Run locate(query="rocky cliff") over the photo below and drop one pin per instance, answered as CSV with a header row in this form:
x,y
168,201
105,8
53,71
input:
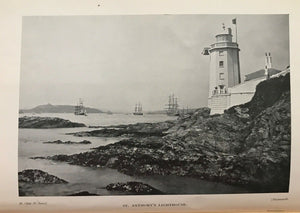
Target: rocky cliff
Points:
x,y
248,145
46,123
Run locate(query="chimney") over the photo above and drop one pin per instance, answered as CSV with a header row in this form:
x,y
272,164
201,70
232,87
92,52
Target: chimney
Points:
x,y
266,60
229,31
270,60
266,65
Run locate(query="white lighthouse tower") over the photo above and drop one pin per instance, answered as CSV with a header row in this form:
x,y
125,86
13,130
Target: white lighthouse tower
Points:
x,y
224,70
225,87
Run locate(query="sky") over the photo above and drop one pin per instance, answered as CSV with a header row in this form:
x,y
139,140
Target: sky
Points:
x,y
113,62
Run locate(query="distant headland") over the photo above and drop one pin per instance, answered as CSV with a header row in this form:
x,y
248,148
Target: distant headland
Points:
x,y
49,108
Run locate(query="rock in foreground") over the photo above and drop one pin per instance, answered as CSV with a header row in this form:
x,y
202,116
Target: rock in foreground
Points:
x,y
46,123
82,193
67,142
133,187
38,176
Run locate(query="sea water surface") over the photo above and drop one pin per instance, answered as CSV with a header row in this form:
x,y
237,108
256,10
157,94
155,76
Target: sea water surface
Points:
x,y
94,180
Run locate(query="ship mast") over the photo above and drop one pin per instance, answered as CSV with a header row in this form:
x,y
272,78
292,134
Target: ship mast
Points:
x,y
79,108
173,101
173,105
138,109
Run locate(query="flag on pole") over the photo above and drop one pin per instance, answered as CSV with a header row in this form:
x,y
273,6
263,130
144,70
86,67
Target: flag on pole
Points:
x,y
234,22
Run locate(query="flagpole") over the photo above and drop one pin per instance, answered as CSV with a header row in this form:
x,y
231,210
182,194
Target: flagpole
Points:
x,y
236,33
234,21
236,40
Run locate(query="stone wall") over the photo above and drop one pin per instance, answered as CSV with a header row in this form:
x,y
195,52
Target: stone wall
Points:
x,y
218,103
237,95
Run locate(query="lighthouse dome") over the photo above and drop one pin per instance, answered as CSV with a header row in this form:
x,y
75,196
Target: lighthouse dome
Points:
x,y
224,36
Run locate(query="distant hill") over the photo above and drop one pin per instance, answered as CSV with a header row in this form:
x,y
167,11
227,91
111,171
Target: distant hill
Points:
x,y
49,108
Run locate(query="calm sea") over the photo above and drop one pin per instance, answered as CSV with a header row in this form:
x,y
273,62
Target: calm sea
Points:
x,y
94,180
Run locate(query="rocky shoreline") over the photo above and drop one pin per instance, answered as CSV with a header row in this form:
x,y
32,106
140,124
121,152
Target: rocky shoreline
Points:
x,y
136,188
83,193
249,145
46,122
38,176
67,142
131,130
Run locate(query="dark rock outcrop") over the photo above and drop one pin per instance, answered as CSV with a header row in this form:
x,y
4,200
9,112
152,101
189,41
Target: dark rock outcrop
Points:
x,y
46,123
21,191
136,130
133,187
267,94
67,142
83,193
38,176
247,145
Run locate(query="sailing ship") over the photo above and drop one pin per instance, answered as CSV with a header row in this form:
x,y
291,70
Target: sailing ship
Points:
x,y
80,109
138,109
185,111
172,106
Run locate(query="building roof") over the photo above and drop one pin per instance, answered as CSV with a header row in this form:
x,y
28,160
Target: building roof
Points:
x,y
261,73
